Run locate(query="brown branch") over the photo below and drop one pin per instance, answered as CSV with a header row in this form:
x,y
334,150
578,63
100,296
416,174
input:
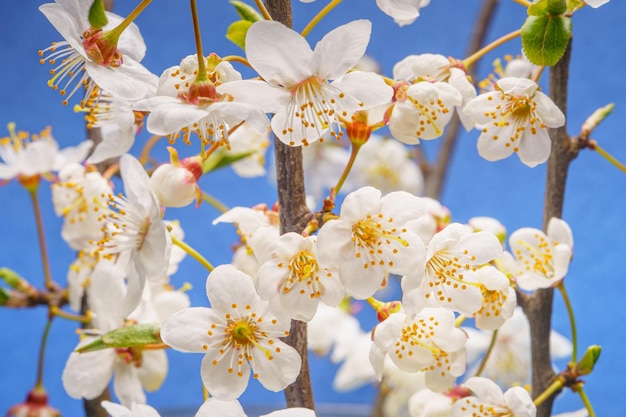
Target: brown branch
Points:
x,y
538,306
436,175
294,216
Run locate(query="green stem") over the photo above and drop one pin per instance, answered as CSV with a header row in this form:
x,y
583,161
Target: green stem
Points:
x,y
524,3
318,17
346,171
117,30
554,387
594,146
572,321
42,351
585,400
481,368
221,207
202,75
193,253
42,240
469,61
263,10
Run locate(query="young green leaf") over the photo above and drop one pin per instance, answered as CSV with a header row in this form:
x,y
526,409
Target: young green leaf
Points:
x,y
129,336
97,17
246,12
237,31
545,38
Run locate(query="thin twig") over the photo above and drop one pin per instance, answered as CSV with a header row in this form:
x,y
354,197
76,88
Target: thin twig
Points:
x,y
436,176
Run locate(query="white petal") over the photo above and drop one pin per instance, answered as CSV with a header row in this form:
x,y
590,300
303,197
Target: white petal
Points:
x,y
534,149
153,369
280,55
341,49
278,370
86,375
127,385
221,383
187,329
216,408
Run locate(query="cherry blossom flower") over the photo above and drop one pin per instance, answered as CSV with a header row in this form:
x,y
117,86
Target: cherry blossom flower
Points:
x,y
73,198
498,299
297,86
542,260
331,327
86,375
28,156
404,12
450,276
385,164
247,140
422,110
136,233
433,67
188,102
135,410
429,342
515,118
428,403
369,240
296,277
509,361
91,57
236,334
489,401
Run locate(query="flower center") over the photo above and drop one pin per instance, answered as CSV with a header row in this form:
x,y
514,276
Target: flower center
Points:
x,y
102,48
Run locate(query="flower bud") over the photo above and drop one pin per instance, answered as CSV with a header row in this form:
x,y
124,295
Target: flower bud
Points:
x,y
36,405
586,364
176,183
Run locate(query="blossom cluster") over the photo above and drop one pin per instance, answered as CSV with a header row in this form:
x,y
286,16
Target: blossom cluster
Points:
x,y
320,99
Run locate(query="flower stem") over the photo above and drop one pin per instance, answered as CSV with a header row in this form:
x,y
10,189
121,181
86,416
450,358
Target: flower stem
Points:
x,y
585,400
459,320
56,311
524,3
538,73
237,58
572,321
469,61
42,351
202,75
193,253
214,202
481,367
263,10
117,30
554,387
346,171
593,145
145,152
42,241
318,17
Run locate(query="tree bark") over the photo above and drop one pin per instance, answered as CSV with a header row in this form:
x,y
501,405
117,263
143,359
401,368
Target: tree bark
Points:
x,y
538,306
294,216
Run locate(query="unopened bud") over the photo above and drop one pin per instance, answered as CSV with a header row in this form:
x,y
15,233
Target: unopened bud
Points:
x,y
36,405
586,364
595,119
176,183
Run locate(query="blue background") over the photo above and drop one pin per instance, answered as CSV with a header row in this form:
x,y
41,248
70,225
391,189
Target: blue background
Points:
x,y
595,204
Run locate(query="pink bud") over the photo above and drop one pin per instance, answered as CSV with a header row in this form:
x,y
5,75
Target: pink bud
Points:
x,y
36,405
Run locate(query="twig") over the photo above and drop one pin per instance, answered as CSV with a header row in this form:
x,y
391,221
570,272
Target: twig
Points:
x,y
436,176
294,216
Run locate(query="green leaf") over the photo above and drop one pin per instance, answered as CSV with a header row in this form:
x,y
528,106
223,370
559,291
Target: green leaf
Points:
x,y
97,17
237,31
538,8
246,12
129,336
222,159
4,296
545,38
556,7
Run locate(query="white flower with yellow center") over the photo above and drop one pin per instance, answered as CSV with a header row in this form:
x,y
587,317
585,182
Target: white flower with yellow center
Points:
x,y
295,276
135,232
297,86
87,57
543,260
450,278
489,401
368,240
499,299
429,342
236,334
515,118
